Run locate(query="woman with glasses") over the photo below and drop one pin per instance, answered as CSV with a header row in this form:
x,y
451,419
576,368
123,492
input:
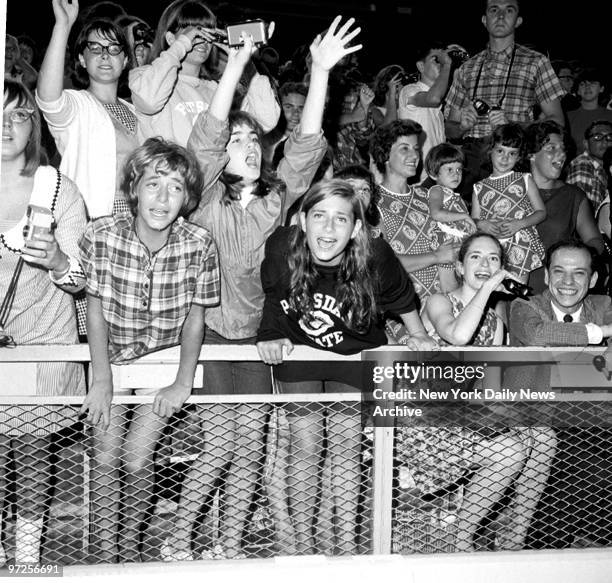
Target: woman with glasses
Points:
x,y
94,130
41,268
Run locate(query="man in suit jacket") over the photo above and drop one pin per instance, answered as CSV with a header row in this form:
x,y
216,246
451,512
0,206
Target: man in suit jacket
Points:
x,y
564,314
575,509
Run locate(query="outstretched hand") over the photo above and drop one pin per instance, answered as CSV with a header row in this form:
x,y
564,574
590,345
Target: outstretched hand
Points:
x,y
65,11
242,55
326,51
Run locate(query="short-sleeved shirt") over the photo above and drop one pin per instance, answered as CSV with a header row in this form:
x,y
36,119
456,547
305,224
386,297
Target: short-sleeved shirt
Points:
x,y
588,173
430,118
146,296
532,80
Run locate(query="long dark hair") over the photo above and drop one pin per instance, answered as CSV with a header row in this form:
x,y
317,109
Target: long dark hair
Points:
x,y
267,181
355,280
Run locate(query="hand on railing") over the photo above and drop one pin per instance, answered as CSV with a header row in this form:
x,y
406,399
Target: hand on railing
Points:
x,y
97,404
170,399
271,351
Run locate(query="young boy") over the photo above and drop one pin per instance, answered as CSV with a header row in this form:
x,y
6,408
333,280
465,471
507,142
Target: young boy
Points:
x,y
422,101
150,275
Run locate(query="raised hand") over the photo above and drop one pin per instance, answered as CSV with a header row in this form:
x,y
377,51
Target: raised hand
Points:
x,y
394,84
366,96
240,56
326,51
66,12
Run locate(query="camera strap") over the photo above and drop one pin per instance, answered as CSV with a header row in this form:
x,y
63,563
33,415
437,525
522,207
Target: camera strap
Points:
x,y
7,303
499,103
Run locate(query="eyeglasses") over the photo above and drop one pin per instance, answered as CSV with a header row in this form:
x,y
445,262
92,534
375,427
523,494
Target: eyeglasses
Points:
x,y
566,77
601,137
113,49
19,115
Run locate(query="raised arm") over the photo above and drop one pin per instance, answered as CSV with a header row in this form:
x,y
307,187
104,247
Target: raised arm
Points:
x,y
51,75
435,95
152,85
325,51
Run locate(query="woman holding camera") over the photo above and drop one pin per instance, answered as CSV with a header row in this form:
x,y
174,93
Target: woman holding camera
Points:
x,y
39,269
171,91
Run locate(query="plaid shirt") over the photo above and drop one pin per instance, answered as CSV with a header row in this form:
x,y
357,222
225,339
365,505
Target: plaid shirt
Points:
x,y
589,174
145,296
532,81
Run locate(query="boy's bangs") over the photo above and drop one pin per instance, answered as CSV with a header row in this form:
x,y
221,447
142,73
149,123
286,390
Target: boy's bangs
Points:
x,y
173,163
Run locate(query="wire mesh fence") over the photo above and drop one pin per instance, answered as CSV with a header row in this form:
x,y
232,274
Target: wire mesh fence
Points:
x,y
263,476
224,480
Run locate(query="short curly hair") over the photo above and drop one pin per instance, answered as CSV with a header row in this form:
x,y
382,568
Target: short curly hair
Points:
x,y
163,156
385,136
538,135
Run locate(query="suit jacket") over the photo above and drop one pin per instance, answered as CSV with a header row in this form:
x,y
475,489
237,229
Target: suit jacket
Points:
x,y
533,322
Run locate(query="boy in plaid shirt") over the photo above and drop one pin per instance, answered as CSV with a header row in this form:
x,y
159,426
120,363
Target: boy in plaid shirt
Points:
x,y
150,276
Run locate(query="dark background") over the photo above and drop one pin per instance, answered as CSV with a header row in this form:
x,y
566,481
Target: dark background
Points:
x,y
391,28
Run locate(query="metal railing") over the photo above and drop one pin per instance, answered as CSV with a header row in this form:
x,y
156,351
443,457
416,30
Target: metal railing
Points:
x,y
274,475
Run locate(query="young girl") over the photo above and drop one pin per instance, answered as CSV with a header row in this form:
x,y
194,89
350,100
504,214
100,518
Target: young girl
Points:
x,y
508,205
94,130
444,164
328,285
170,92
150,276
242,205
42,311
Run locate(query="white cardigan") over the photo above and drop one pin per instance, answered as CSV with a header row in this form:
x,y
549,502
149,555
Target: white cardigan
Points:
x,y
85,138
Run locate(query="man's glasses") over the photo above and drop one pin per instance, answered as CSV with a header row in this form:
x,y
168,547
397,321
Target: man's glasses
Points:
x,y
113,49
19,115
601,137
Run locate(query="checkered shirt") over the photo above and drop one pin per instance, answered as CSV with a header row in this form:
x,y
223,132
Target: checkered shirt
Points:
x,y
532,80
146,296
589,174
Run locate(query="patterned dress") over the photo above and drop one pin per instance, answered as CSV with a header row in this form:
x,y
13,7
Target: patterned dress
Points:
x,y
505,197
407,226
455,232
436,457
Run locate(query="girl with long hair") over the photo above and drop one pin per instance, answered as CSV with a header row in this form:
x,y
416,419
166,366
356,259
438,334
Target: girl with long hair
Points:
x,y
242,205
328,285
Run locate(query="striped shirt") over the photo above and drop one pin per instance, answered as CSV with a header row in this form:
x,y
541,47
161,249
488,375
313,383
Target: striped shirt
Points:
x,y
531,81
146,296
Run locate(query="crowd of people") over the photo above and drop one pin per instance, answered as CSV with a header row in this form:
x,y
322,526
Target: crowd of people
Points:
x,y
201,193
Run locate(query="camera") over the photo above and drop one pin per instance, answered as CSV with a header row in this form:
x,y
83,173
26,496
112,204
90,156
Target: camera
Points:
x,y
483,108
256,28
39,221
457,54
516,288
142,34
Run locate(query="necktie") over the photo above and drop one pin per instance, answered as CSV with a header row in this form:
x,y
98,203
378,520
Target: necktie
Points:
x,y
568,318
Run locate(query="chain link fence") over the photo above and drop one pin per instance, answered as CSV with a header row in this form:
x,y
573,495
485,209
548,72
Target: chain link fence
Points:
x,y
258,477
